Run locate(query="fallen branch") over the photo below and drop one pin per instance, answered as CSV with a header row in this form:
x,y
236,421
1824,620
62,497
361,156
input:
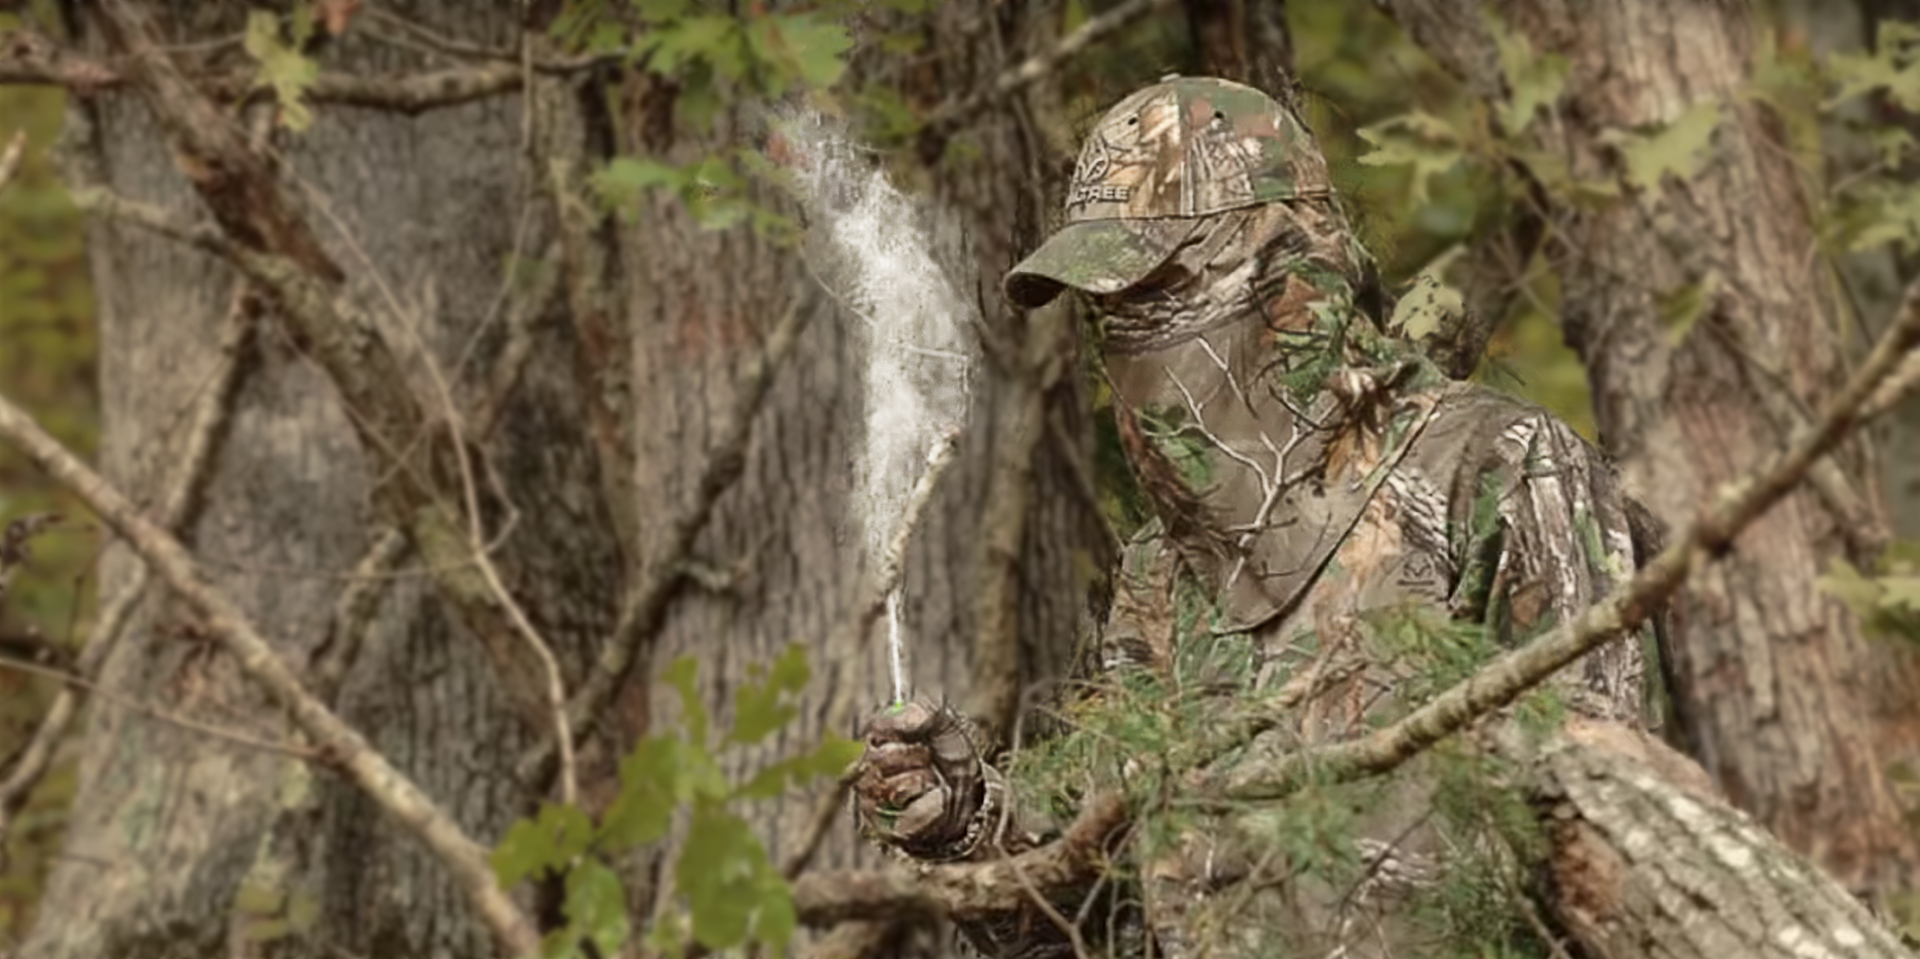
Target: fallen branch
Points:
x,y
411,808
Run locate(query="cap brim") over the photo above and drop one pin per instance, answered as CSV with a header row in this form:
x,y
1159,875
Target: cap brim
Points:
x,y
1098,256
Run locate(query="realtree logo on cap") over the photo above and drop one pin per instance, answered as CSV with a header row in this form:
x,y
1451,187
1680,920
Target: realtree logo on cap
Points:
x,y
1094,167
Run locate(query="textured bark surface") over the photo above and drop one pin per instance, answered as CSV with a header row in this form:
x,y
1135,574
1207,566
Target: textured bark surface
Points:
x,y
184,847
1779,695
180,845
1647,861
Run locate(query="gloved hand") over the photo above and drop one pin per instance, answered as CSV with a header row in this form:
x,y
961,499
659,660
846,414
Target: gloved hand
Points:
x,y
921,784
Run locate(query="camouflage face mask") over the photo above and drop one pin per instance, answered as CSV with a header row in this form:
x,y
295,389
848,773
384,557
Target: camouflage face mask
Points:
x,y
1224,272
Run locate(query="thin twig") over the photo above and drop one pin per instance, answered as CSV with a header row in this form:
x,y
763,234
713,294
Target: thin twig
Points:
x,y
153,712
483,561
951,115
227,623
1897,387
1038,898
353,615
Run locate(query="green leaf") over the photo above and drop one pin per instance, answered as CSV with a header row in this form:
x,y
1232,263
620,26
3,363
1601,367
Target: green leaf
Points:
x,y
817,48
625,180
760,708
1532,82
1678,148
1846,583
1879,212
828,760
1422,309
699,103
714,870
541,844
649,789
283,68
731,887
1681,308
1891,67
1901,591
597,906
1418,139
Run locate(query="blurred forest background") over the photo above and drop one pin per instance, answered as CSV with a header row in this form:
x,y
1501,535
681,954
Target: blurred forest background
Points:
x,y
1368,88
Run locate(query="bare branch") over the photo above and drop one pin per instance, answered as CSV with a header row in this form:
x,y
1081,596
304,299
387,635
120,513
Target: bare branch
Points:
x,y
413,809
353,614
211,412
27,58
951,115
966,890
1897,387
153,712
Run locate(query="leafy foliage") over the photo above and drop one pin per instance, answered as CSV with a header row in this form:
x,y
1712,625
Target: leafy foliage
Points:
x,y
713,61
277,43
732,893
1887,599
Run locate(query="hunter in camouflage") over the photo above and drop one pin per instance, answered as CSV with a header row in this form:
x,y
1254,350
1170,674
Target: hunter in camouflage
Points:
x,y
1310,475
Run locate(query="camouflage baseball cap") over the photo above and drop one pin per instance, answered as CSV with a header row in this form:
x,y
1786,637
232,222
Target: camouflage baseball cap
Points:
x,y
1153,167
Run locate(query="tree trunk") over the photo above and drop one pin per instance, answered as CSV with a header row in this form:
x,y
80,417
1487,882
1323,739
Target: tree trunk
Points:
x,y
181,845
1779,695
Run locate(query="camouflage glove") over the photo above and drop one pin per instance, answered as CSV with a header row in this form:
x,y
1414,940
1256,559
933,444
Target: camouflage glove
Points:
x,y
923,788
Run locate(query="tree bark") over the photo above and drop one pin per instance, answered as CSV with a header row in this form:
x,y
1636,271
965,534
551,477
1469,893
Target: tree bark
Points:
x,y
1778,694
183,846
179,846
1647,861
